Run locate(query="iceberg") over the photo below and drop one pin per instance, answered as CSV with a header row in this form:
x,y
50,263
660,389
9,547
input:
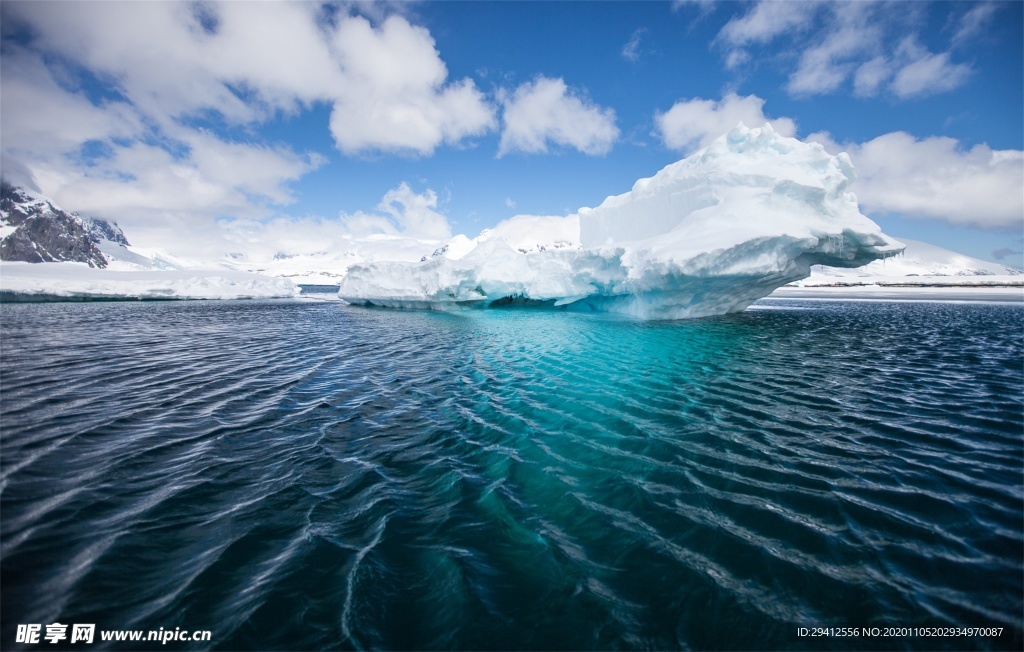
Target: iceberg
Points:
x,y
707,235
21,281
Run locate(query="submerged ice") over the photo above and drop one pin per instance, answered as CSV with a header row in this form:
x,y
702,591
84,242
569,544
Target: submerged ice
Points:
x,y
707,235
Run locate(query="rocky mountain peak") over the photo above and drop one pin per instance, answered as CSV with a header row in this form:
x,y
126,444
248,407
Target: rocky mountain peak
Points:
x,y
33,229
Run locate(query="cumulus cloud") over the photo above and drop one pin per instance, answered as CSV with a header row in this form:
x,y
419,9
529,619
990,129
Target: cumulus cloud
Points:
x,y
694,123
394,97
925,73
171,60
153,52
110,160
874,45
101,102
936,177
870,76
404,226
138,182
414,214
828,63
736,58
767,20
545,111
255,169
38,115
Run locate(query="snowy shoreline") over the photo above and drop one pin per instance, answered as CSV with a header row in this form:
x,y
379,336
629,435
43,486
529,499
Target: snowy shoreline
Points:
x,y
34,282
47,282
902,291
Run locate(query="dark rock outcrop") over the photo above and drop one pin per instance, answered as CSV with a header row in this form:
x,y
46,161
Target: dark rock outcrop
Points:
x,y
45,233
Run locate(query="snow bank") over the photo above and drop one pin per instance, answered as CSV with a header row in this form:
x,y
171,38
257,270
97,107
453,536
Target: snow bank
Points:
x,y
707,235
922,292
329,265
817,280
920,264
79,281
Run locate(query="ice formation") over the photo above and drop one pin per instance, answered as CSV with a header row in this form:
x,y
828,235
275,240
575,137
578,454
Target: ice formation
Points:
x,y
26,281
707,235
920,264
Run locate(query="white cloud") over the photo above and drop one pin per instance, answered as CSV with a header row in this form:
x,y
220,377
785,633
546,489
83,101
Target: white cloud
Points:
x,y
394,97
872,44
405,226
545,111
975,21
937,178
137,156
925,73
154,52
631,50
37,115
278,51
870,76
401,213
245,62
262,239
851,35
415,214
767,20
255,169
139,183
704,5
736,58
694,123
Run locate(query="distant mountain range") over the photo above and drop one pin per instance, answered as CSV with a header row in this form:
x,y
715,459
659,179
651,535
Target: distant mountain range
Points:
x,y
35,230
919,264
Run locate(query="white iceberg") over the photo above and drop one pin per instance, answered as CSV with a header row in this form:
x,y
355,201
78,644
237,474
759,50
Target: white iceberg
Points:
x,y
707,235
28,281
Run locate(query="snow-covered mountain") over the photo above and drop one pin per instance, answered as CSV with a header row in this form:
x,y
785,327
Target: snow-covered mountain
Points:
x,y
329,267
35,230
919,264
49,253
923,259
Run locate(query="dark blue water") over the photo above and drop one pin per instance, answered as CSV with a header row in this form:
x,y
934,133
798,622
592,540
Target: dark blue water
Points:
x,y
306,475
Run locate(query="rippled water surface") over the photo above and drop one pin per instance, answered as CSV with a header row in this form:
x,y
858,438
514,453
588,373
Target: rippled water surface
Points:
x,y
304,475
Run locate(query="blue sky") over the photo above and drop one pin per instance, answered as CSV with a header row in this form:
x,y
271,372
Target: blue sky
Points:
x,y
227,124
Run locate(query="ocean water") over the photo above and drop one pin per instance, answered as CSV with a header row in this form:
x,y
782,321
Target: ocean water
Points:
x,y
306,475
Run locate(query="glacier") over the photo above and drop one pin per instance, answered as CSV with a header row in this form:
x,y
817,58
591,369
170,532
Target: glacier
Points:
x,y
21,281
707,235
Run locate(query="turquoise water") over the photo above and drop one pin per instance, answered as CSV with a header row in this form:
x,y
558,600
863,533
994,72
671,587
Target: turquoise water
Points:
x,y
305,475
